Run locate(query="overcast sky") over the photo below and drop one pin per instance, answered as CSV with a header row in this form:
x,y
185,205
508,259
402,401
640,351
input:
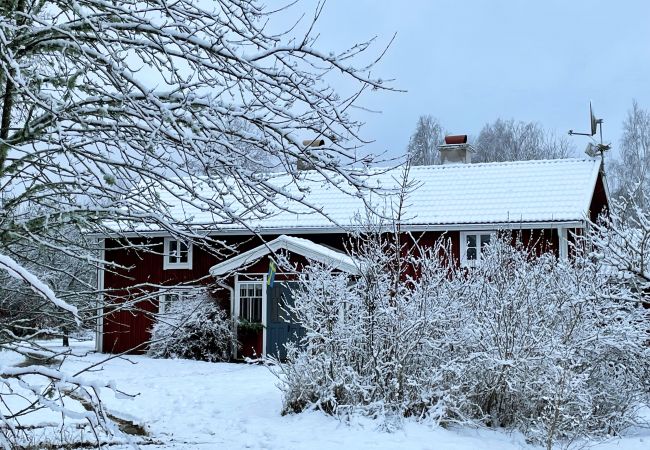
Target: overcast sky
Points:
x,y
470,62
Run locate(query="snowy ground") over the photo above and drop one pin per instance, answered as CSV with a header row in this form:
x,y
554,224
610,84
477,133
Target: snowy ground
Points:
x,y
197,405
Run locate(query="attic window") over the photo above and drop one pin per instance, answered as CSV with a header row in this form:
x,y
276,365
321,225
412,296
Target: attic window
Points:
x,y
177,254
472,245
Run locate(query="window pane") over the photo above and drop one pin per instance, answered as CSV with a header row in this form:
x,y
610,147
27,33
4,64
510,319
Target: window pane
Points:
x,y
256,310
485,239
471,254
243,308
182,252
471,240
172,251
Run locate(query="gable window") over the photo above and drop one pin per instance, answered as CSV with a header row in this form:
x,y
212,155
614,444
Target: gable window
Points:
x,y
250,301
472,245
177,254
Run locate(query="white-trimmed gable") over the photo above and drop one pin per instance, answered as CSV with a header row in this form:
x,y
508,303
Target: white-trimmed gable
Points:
x,y
299,246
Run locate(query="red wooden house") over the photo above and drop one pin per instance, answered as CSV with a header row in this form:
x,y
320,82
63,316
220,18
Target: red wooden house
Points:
x,y
545,201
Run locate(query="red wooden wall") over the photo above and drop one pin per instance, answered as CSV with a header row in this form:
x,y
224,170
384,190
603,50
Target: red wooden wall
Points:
x,y
129,330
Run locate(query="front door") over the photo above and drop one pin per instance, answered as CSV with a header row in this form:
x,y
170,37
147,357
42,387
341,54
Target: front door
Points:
x,y
281,327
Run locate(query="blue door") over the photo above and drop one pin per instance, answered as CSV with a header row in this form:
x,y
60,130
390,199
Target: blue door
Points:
x,y
281,327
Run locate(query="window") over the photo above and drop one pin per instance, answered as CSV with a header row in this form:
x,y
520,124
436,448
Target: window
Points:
x,y
472,245
167,297
177,254
250,301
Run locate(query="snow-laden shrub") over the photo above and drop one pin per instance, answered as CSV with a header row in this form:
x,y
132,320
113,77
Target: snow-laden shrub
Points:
x,y
194,327
371,345
552,348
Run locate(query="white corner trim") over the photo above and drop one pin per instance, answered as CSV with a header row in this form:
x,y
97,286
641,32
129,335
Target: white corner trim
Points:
x,y
99,332
167,264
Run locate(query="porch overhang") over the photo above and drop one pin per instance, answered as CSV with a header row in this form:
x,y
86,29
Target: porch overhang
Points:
x,y
300,246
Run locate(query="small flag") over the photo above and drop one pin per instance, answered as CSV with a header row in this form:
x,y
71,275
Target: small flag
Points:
x,y
270,277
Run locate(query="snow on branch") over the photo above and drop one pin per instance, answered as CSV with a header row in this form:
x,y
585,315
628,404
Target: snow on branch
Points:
x,y
17,271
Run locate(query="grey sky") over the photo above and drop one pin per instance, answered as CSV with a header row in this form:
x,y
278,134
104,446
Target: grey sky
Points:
x,y
470,62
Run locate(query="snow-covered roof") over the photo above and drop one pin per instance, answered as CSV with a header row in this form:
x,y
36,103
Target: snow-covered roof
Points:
x,y
518,192
304,247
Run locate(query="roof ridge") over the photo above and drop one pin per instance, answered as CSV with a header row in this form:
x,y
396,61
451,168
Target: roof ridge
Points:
x,y
507,163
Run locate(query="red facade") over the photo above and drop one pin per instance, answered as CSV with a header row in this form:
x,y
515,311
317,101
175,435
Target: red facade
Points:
x,y
129,329
142,273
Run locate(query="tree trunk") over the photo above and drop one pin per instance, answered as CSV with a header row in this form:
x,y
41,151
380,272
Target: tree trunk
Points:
x,y
66,337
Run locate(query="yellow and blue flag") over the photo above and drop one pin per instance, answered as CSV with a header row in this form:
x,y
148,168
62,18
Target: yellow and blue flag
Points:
x,y
270,277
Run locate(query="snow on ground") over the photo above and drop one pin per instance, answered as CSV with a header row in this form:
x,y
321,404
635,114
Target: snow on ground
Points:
x,y
197,405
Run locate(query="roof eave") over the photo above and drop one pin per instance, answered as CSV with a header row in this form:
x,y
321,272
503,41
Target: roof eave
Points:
x,y
537,224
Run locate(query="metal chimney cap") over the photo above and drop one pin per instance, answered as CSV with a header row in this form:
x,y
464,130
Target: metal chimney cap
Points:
x,y
313,142
455,139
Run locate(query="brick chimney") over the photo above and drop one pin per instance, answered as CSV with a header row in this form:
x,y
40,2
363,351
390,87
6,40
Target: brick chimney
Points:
x,y
456,150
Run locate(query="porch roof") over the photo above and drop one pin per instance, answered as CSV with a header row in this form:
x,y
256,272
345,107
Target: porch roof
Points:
x,y
299,246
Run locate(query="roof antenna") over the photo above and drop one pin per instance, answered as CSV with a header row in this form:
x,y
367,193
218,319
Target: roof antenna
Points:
x,y
596,125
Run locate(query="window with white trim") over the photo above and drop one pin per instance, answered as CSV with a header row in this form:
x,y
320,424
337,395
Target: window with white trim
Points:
x,y
168,297
472,245
250,301
177,254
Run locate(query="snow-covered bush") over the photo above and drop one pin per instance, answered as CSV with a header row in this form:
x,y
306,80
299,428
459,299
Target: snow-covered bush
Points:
x,y
622,241
554,348
550,347
370,344
195,327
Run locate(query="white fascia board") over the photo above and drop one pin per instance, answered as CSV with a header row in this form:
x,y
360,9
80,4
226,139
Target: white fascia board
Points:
x,y
570,223
319,253
309,250
591,189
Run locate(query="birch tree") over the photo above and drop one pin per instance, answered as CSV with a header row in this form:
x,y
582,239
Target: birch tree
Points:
x,y
509,140
423,145
632,171
106,108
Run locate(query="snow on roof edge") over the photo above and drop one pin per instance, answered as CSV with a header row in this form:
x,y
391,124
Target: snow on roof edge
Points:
x,y
300,246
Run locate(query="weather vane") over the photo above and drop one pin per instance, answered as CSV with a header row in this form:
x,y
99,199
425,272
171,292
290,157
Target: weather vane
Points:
x,y
596,125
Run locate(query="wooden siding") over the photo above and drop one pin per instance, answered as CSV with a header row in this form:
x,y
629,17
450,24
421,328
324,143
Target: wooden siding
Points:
x,y
130,330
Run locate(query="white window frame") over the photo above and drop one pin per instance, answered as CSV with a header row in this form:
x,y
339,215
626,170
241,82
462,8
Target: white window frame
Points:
x,y
238,287
181,291
167,255
463,245
235,309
